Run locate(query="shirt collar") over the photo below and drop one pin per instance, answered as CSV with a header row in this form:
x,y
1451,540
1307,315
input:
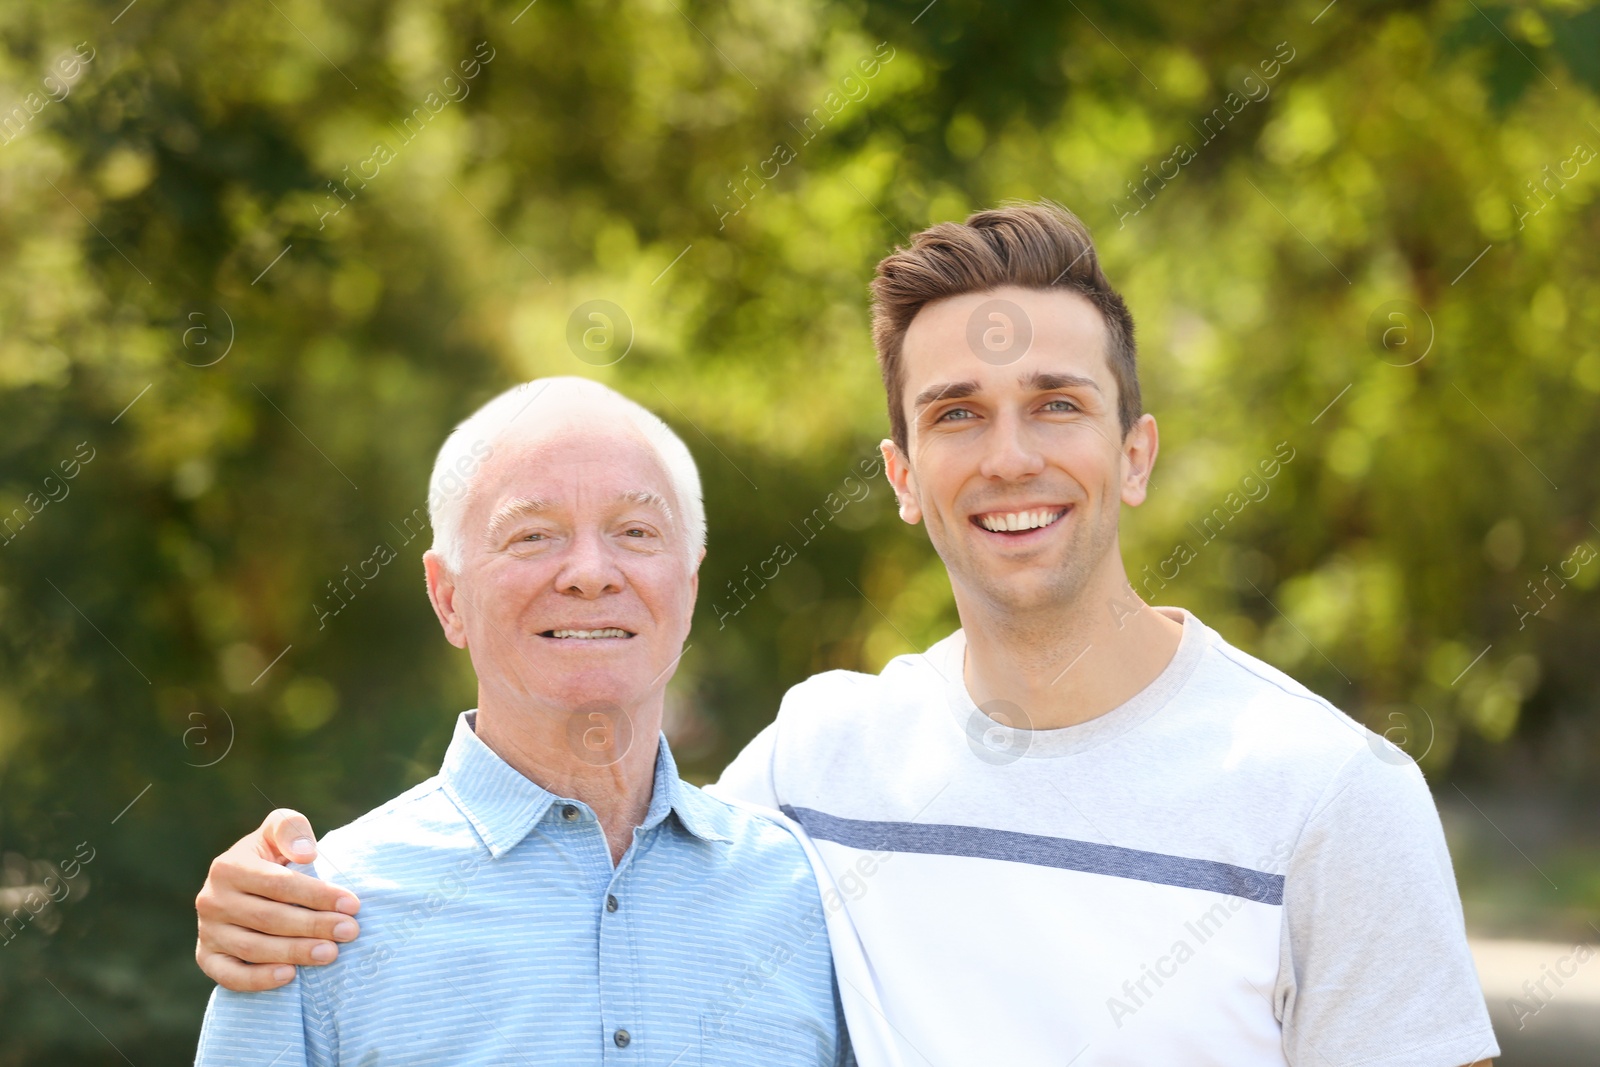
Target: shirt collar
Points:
x,y
703,817
503,806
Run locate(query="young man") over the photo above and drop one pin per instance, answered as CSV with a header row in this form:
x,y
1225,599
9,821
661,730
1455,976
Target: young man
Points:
x,y
1078,830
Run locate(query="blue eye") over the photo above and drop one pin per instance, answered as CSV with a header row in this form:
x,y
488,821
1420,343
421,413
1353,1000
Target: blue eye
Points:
x,y
954,411
1070,406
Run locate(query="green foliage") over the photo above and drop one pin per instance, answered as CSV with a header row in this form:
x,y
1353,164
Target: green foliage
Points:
x,y
262,365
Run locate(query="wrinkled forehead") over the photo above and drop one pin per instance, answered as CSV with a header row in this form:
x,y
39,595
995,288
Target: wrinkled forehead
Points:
x,y
574,460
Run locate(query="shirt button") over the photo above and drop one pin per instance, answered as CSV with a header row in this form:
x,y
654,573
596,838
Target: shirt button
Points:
x,y
611,903
569,812
621,1037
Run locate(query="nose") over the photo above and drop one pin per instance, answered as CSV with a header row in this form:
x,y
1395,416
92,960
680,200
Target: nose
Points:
x,y
1010,455
589,569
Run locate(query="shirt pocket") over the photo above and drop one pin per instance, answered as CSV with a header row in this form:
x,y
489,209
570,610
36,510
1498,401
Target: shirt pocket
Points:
x,y
758,1038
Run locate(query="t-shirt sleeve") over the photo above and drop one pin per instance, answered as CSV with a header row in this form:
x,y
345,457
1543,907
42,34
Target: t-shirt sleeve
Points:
x,y
1376,970
260,1029
749,777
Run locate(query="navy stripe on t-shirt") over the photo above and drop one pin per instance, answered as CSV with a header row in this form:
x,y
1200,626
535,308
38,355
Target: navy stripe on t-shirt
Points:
x,y
979,842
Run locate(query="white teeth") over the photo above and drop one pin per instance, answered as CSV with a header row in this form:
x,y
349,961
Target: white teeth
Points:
x,y
1020,520
612,632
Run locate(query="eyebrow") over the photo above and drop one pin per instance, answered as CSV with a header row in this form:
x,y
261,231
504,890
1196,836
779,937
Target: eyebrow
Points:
x,y
1038,381
519,507
510,512
649,498
948,391
1045,382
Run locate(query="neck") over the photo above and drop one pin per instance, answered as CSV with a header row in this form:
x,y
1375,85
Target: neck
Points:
x,y
1067,663
546,748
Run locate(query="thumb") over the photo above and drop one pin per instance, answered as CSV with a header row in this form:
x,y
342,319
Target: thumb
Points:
x,y
289,836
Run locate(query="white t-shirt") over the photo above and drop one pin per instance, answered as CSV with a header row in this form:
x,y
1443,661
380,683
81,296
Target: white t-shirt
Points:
x,y
1225,870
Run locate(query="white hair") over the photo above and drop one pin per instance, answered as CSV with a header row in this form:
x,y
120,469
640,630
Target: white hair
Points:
x,y
473,441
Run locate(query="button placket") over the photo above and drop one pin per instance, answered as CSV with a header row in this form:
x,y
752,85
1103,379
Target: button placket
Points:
x,y
620,996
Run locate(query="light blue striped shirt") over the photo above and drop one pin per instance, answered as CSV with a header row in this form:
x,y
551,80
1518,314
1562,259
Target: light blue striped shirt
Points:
x,y
494,930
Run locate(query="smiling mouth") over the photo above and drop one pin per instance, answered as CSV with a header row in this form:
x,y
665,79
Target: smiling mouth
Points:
x,y
586,635
1014,522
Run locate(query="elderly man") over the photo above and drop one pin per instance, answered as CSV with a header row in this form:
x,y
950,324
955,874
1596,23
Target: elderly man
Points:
x,y
556,894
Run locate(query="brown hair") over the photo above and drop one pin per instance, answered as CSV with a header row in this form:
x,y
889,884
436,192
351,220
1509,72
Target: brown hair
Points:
x,y
1032,245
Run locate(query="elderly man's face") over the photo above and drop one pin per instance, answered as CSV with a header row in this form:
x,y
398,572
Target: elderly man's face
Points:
x,y
577,585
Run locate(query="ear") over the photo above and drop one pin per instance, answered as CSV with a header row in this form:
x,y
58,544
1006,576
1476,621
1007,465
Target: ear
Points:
x,y
1139,448
897,468
442,595
694,581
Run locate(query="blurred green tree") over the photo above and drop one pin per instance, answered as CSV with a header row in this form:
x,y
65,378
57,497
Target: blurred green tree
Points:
x,y
260,260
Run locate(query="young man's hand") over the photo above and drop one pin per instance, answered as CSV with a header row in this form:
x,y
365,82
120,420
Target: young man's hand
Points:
x,y
258,918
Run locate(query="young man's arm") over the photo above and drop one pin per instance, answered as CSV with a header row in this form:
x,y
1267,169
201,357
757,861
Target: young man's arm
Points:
x,y
258,919
1376,968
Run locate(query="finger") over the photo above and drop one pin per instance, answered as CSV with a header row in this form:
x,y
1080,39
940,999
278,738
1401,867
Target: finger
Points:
x,y
266,916
248,875
289,836
247,946
243,977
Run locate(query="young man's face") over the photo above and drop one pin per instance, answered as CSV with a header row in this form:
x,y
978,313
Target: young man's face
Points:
x,y
1018,469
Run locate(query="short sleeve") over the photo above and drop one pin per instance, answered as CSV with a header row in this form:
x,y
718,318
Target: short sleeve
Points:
x,y
1375,965
749,777
258,1029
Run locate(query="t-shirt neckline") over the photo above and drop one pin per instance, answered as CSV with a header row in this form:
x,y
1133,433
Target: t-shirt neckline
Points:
x,y
1010,743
